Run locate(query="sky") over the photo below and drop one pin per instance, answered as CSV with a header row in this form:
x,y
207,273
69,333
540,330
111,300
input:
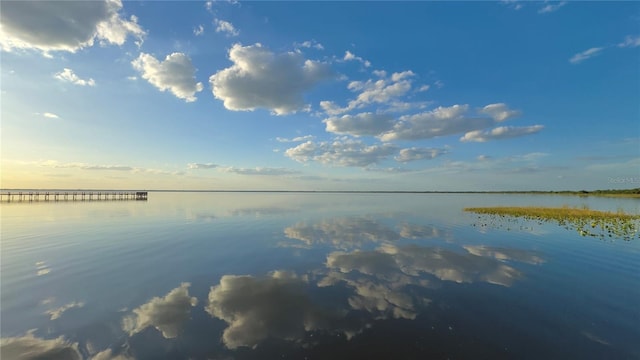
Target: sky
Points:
x,y
396,96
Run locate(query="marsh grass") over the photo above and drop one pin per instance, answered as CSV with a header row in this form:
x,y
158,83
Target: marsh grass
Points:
x,y
587,222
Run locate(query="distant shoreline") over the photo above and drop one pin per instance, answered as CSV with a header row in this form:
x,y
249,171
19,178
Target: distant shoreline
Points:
x,y
626,193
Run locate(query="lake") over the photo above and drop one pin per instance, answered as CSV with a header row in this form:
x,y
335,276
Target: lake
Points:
x,y
313,276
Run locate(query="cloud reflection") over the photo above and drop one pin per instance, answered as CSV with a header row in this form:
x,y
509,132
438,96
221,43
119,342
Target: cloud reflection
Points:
x,y
383,296
42,268
167,314
277,305
108,355
415,231
381,278
342,233
31,347
378,282
505,254
451,266
478,264
57,313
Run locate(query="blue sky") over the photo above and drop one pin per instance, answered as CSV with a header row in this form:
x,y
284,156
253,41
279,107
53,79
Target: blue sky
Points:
x,y
320,95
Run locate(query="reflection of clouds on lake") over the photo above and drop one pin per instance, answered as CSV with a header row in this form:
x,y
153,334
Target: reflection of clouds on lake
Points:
x,y
342,233
504,254
480,263
451,266
256,308
379,283
381,279
47,301
108,355
380,296
202,217
415,231
42,268
57,313
31,347
259,212
208,216
366,262
167,314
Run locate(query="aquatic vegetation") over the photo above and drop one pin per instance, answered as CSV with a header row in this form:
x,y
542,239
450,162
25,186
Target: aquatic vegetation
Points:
x,y
587,222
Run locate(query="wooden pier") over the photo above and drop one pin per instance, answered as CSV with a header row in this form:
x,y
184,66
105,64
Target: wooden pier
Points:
x,y
35,196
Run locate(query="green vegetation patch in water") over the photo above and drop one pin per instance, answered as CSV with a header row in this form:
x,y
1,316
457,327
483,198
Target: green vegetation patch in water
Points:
x,y
587,222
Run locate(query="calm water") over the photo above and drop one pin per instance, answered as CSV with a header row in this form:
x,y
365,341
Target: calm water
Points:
x,y
312,276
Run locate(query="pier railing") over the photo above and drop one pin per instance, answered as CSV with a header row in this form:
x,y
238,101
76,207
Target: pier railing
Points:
x,y
34,196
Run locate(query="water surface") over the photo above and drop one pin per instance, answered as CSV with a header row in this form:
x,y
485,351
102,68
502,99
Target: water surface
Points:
x,y
315,276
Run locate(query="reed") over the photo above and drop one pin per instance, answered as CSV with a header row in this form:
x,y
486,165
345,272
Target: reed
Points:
x,y
587,222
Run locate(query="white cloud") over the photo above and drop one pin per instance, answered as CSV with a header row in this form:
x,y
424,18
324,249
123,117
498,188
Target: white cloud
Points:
x,y
549,8
502,132
64,26
69,76
201,166
199,30
349,56
382,91
30,347
514,4
412,154
50,115
175,73
499,112
226,27
257,308
331,108
630,41
341,152
360,124
57,313
441,121
83,166
423,88
310,44
534,156
99,167
587,54
266,171
167,314
389,170
295,139
456,119
505,165
260,78
385,90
